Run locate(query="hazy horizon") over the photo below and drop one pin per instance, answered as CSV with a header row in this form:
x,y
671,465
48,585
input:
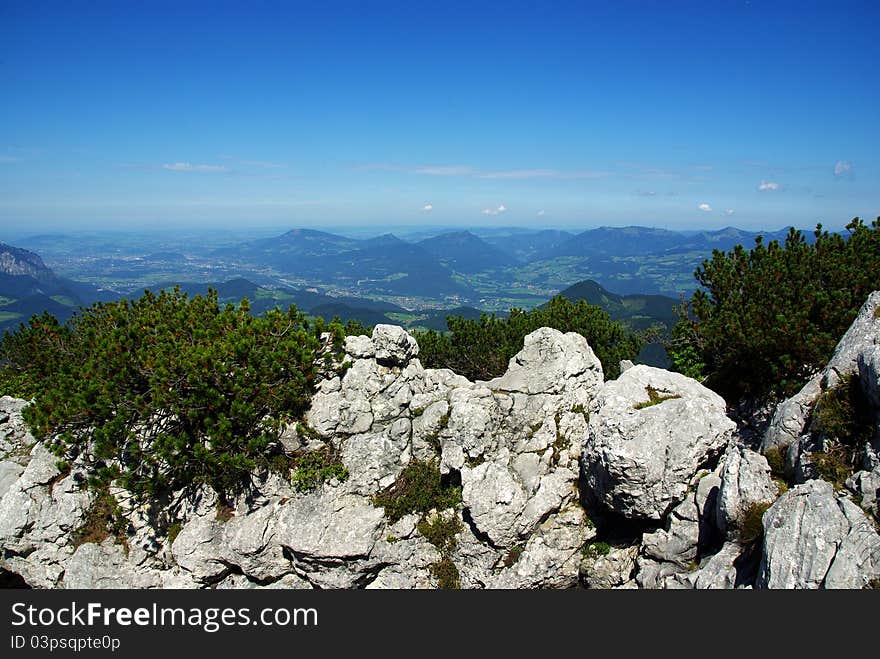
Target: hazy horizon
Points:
x,y
227,115
411,232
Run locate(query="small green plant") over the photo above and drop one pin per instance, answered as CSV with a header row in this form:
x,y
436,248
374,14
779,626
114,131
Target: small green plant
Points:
x,y
579,409
441,532
474,462
751,523
842,417
776,461
307,432
103,520
654,398
446,574
391,539
596,549
433,438
173,531
418,489
313,468
834,465
843,414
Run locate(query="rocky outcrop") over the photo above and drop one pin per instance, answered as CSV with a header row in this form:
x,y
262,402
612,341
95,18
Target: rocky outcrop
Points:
x,y
38,514
650,431
815,539
512,444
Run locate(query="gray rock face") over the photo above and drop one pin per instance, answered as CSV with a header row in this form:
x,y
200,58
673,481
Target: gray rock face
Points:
x,y
9,473
861,335
549,363
719,571
867,485
625,437
791,417
610,571
393,345
678,542
105,566
652,574
813,539
551,555
745,482
15,439
869,379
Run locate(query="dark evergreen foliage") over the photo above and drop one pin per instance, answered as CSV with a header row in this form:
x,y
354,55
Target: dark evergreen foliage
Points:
x,y
770,317
167,390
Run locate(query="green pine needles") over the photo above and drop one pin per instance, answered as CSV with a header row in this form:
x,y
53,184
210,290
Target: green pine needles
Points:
x,y
768,318
167,391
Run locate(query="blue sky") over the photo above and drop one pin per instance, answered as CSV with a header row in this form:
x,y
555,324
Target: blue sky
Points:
x,y
567,114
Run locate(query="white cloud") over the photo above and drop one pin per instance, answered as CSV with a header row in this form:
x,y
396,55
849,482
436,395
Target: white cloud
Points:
x,y
706,208
765,186
427,208
494,211
516,174
729,212
188,167
843,168
445,170
520,173
541,213
265,164
503,174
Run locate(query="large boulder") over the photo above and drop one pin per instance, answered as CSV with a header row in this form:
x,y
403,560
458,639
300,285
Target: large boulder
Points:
x,y
720,571
745,485
649,433
393,345
815,539
549,363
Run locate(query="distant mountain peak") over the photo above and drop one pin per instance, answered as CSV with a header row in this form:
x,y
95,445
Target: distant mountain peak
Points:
x,y
18,261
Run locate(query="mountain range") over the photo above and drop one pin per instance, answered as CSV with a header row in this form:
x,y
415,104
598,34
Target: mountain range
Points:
x,y
462,266
636,273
